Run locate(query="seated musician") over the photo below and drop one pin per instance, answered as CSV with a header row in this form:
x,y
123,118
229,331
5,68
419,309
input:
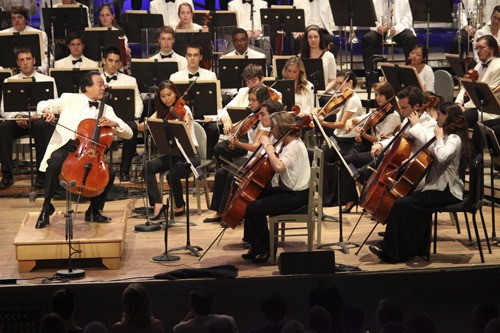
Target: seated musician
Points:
x,y
396,20
19,17
169,10
407,230
288,190
185,13
76,59
194,71
244,15
72,109
304,90
166,39
107,20
491,28
10,130
223,179
167,108
240,42
417,60
112,62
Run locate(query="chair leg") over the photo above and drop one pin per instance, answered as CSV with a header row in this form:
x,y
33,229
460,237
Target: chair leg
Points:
x,y
366,239
477,237
485,230
272,237
468,227
454,219
207,199
435,233
282,232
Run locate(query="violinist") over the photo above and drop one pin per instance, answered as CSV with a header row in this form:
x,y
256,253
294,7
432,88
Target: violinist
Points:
x,y
407,229
288,189
224,179
72,109
295,70
167,107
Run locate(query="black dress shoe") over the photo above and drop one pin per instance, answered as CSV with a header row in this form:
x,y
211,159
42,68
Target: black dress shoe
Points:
x,y
212,219
160,213
262,258
6,182
381,255
124,177
43,218
182,212
96,217
249,255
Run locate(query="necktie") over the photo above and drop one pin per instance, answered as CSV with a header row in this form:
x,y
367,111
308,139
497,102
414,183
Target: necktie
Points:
x,y
93,103
75,61
110,78
166,56
193,75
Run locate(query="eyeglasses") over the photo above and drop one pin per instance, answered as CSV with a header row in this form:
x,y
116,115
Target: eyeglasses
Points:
x,y
494,18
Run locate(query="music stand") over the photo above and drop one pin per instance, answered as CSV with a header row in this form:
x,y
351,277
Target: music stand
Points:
x,y
204,97
431,11
123,102
99,39
286,88
219,18
459,65
400,76
491,140
282,18
231,68
481,95
21,95
183,38
150,72
4,74
237,113
314,68
12,41
134,21
68,80
65,19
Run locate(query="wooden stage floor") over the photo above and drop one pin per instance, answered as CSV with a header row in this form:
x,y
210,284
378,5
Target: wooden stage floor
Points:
x,y
139,248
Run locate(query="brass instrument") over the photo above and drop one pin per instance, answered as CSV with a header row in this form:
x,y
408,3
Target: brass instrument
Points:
x,y
390,22
477,17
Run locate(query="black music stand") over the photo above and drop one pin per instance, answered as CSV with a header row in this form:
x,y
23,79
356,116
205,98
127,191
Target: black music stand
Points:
x,y
4,73
459,65
282,18
204,97
122,101
237,113
286,88
5,21
24,95
431,11
314,69
10,42
65,20
68,80
150,72
219,18
400,76
99,39
231,68
491,141
481,95
184,38
134,21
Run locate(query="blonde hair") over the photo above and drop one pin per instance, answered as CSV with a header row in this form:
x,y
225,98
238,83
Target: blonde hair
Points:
x,y
282,122
303,83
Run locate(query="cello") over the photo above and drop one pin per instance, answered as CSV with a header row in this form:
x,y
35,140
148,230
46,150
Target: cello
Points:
x,y
86,164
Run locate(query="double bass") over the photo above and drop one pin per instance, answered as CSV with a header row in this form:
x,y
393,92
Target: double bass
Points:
x,y
86,164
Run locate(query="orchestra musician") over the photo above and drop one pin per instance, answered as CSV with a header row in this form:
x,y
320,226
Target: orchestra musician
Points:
x,y
10,130
111,64
169,10
19,17
185,13
168,107
244,13
407,229
257,97
295,70
315,48
418,60
76,59
288,190
72,109
166,39
240,42
107,20
492,28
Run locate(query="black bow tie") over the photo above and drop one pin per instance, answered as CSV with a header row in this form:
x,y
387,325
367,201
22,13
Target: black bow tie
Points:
x,y
485,64
193,75
166,56
96,104
75,61
247,1
167,1
110,78
32,78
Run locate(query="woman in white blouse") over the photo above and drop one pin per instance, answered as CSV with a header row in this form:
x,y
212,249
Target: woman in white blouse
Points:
x,y
185,13
407,230
417,59
304,94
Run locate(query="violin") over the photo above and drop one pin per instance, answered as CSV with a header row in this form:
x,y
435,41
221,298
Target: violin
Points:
x,y
374,119
334,104
177,110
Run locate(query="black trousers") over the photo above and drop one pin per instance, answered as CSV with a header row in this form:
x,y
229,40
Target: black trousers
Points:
x,y
223,150
41,132
55,163
129,148
273,201
223,183
408,224
179,172
212,131
372,40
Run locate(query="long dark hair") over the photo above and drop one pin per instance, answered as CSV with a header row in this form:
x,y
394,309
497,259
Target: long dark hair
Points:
x,y
306,50
137,306
161,109
456,123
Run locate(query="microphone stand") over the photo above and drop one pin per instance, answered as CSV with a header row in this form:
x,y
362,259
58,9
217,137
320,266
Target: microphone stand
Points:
x,y
71,272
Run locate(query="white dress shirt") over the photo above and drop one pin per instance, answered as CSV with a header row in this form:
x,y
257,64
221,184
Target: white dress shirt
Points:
x,y
426,76
67,62
353,105
249,53
181,61
243,11
169,10
183,75
124,80
403,19
325,19
305,100
484,31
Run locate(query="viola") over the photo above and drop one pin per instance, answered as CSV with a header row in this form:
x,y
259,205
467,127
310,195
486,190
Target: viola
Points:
x,y
86,165
374,119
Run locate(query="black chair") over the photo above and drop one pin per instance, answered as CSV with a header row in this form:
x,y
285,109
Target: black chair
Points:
x,y
471,204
